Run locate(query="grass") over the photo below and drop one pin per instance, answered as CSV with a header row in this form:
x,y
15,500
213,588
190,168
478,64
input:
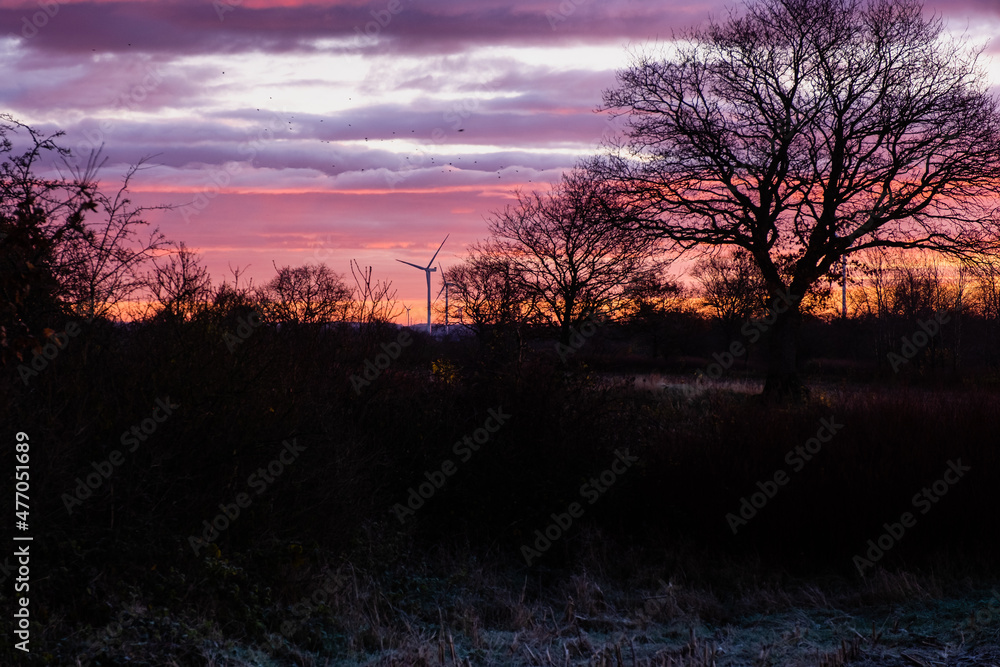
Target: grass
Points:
x,y
317,570
451,606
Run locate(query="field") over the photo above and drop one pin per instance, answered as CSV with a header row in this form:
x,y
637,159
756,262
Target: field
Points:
x,y
275,505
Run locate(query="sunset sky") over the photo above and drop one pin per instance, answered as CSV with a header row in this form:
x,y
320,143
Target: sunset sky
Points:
x,y
298,132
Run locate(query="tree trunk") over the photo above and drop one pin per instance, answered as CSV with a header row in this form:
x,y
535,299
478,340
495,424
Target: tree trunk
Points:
x,y
564,332
782,381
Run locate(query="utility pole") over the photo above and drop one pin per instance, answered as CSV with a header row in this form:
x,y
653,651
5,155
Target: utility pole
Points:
x,y
444,288
843,287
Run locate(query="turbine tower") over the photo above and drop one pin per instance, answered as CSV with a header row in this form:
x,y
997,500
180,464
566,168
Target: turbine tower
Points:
x,y
444,288
427,269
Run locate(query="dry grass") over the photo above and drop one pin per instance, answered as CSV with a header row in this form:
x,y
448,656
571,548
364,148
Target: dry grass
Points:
x,y
651,574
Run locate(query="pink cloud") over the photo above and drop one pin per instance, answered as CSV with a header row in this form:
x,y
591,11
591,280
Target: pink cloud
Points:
x,y
348,184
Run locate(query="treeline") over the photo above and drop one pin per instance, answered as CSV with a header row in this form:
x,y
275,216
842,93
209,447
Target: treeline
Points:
x,y
552,262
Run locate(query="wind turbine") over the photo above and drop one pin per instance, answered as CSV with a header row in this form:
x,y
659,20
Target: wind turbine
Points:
x,y
427,269
444,288
407,315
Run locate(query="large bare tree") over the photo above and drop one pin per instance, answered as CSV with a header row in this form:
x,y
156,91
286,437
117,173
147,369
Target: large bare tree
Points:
x,y
812,129
568,249
311,293
490,296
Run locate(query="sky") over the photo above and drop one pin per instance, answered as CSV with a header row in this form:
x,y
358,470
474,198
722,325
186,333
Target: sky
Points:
x,y
289,132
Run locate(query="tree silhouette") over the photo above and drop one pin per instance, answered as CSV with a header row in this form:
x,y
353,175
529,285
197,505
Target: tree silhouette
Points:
x,y
568,250
490,296
102,268
731,285
181,286
37,216
810,129
312,293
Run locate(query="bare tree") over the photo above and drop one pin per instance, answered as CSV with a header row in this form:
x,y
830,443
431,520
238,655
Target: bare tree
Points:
x,y
984,271
907,284
181,286
311,293
812,129
37,215
873,269
653,294
985,274
490,296
652,301
731,285
373,301
103,267
566,248
897,288
233,300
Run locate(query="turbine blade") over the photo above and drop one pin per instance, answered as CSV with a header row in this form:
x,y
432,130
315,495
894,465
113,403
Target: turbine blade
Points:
x,y
438,250
422,268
